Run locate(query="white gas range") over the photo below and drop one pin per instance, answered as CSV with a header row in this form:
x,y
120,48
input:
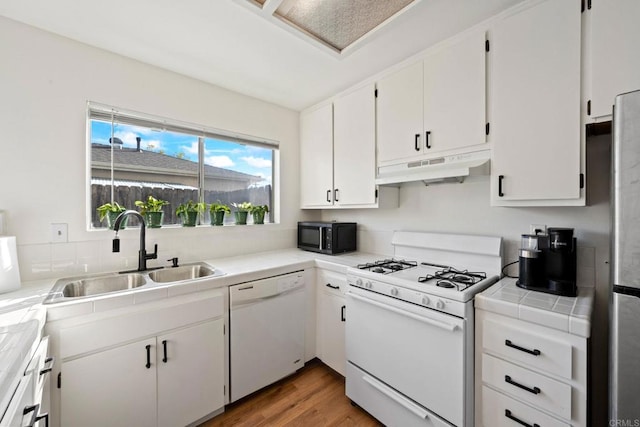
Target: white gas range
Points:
x,y
410,328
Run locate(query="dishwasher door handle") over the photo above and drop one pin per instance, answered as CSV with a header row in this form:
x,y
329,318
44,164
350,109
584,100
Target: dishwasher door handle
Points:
x,y
442,325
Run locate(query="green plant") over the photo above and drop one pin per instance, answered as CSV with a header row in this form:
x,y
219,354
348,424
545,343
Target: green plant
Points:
x,y
219,207
243,207
190,206
260,209
109,207
151,205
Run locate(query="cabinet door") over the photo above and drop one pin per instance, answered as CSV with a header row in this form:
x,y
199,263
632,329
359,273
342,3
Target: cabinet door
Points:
x,y
354,148
316,157
115,387
190,373
454,96
535,105
399,115
331,326
615,63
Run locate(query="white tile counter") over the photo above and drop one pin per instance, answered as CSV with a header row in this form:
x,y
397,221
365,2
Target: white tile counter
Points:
x,y
567,314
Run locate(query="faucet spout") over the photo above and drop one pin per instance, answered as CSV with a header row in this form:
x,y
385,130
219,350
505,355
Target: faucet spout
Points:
x,y
142,253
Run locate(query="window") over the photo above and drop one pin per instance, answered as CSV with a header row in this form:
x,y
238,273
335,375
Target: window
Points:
x,y
134,156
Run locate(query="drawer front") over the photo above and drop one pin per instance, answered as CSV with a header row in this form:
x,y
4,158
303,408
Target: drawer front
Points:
x,y
40,367
535,351
331,282
499,410
543,392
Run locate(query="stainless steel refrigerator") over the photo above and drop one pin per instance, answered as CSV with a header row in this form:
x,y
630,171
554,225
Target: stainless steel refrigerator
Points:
x,y
624,372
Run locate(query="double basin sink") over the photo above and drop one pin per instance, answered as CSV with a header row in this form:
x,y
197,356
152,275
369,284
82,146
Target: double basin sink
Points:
x,y
69,288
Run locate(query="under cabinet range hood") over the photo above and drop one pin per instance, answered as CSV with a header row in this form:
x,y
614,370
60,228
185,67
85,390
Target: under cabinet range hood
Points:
x,y
450,168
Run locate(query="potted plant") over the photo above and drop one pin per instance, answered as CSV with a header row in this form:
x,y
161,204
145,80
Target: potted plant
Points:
x,y
111,212
217,211
189,211
242,210
152,211
258,213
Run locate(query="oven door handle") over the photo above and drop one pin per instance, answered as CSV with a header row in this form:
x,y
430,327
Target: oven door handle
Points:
x,y
436,323
401,400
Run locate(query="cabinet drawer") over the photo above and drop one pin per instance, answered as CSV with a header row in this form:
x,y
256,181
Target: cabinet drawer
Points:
x,y
543,392
535,351
499,410
332,282
40,367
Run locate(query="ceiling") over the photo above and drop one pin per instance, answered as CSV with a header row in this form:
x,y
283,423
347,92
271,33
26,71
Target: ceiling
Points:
x,y
236,45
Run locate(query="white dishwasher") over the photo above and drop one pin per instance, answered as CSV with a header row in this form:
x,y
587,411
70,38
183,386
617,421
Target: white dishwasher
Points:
x,y
266,322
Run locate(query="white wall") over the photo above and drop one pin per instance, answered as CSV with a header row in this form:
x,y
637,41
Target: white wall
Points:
x,y
45,82
464,208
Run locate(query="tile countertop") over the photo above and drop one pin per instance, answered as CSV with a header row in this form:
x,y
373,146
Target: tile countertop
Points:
x,y
568,314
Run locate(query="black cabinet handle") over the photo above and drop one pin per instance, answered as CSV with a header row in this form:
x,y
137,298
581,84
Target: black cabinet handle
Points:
x,y
417,142
329,196
534,352
500,178
329,285
342,313
335,194
148,365
507,413
426,138
44,417
164,348
52,361
534,390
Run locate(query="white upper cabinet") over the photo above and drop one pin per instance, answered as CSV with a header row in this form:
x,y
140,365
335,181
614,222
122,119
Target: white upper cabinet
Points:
x,y
615,63
316,157
400,115
354,149
436,105
338,154
534,87
454,96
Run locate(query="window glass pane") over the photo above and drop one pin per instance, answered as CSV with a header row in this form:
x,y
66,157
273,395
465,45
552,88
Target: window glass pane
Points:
x,y
237,173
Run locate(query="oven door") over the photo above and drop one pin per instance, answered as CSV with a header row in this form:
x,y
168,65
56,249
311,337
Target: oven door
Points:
x,y
416,351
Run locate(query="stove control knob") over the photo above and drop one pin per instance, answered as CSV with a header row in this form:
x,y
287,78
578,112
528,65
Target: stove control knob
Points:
x,y
394,292
440,304
368,285
425,300
358,282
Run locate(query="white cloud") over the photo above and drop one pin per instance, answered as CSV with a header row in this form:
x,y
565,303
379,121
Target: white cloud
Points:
x,y
257,162
219,161
191,149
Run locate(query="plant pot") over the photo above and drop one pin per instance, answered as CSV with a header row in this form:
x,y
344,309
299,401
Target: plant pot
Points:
x,y
258,217
217,218
111,220
189,219
241,218
154,219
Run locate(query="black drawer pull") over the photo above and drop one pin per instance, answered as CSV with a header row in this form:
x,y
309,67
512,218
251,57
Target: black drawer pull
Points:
x,y
164,347
329,196
342,316
534,352
36,416
329,285
148,365
426,139
500,192
534,390
507,413
52,361
417,142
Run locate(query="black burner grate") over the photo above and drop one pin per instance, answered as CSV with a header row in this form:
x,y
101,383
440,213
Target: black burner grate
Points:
x,y
386,266
450,277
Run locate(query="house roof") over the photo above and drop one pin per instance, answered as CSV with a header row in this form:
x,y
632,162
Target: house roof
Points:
x,y
149,161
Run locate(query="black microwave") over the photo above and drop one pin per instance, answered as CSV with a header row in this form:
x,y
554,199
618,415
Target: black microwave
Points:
x,y
327,237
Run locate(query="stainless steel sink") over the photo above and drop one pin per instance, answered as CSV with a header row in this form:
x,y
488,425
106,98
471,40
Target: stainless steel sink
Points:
x,y
185,272
71,288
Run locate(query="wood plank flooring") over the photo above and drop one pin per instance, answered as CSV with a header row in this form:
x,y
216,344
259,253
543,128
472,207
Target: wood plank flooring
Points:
x,y
314,396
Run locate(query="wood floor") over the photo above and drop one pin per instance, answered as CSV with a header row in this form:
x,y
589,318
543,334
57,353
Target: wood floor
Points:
x,y
314,396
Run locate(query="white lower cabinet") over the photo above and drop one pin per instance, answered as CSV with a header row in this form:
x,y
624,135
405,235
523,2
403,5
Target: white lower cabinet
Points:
x,y
331,318
528,374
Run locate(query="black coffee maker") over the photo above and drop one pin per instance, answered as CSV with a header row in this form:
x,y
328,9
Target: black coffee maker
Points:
x,y
548,262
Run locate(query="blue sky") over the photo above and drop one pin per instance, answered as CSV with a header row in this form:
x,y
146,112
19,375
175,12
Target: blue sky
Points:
x,y
228,155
